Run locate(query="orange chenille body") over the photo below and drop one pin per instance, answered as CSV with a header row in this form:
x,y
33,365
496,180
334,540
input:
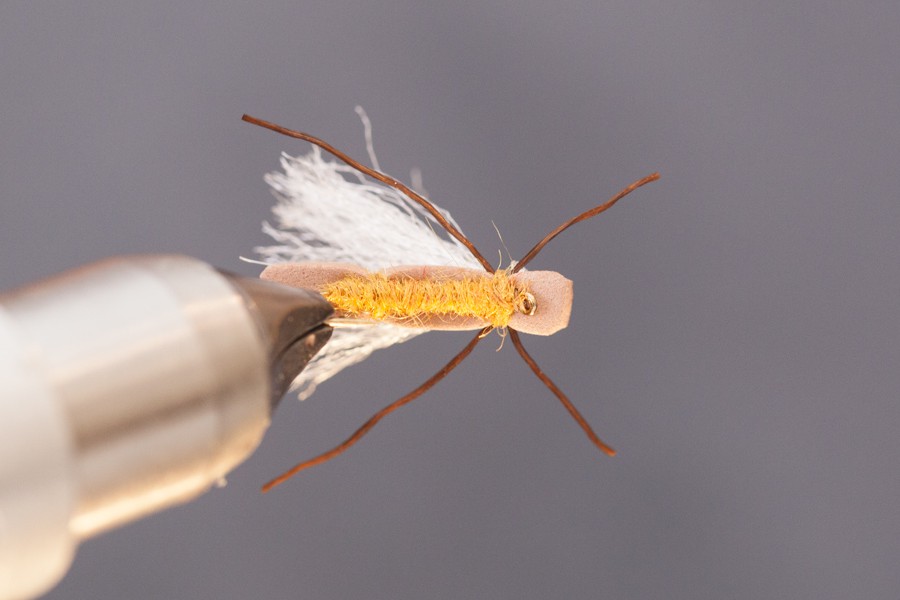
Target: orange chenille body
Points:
x,y
437,297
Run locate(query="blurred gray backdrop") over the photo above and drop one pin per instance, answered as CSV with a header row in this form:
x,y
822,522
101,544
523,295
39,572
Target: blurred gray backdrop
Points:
x,y
735,332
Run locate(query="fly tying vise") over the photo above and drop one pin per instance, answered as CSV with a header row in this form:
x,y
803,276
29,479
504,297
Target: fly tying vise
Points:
x,y
352,241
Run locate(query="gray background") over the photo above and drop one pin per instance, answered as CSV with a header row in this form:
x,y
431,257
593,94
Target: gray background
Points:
x,y
735,332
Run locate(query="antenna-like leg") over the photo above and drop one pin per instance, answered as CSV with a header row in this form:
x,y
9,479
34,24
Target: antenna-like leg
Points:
x,y
517,342
373,420
582,217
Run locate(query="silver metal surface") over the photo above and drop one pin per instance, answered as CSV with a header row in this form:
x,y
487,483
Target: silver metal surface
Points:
x,y
162,375
128,386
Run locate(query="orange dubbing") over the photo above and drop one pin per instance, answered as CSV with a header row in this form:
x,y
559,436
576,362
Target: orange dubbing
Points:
x,y
491,298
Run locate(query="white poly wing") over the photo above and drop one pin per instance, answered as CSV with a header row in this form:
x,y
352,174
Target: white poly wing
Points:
x,y
328,212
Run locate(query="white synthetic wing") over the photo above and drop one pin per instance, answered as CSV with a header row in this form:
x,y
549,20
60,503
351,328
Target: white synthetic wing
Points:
x,y
328,212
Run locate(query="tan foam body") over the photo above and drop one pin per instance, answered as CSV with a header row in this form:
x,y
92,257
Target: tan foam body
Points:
x,y
552,292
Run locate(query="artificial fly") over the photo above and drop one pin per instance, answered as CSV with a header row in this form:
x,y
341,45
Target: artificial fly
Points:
x,y
352,241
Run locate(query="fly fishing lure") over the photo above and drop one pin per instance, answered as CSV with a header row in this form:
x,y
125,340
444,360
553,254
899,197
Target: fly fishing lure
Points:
x,y
351,240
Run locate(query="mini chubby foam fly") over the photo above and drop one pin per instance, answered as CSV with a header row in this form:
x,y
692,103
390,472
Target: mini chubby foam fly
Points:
x,y
373,251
